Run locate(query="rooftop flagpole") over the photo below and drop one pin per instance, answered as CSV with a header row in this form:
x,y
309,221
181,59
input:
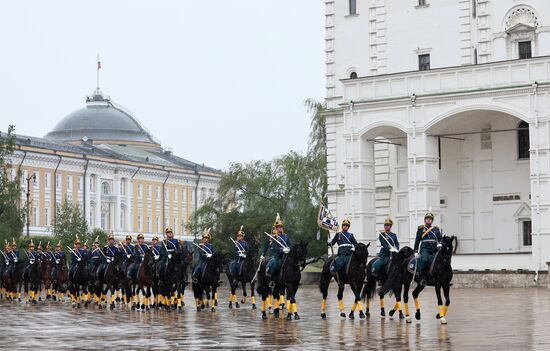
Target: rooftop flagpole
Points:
x,y
98,68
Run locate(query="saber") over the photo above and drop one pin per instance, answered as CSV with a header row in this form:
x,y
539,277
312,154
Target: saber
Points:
x,y
75,253
237,245
124,248
166,248
3,254
383,237
416,261
257,271
203,250
140,249
277,241
99,251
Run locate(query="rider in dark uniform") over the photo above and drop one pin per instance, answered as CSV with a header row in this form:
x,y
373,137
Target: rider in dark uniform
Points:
x,y
110,249
427,242
241,248
156,248
76,256
167,249
204,255
95,257
129,252
278,246
389,244
59,257
346,245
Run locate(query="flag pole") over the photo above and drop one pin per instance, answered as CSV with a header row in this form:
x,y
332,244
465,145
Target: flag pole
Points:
x,y
97,72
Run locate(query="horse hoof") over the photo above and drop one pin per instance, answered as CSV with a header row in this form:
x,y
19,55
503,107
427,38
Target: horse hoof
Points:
x,y
401,315
367,314
361,315
276,313
203,306
296,316
198,308
443,320
230,305
100,306
351,315
324,315
86,304
254,306
112,306
54,298
216,303
342,314
409,320
437,316
142,307
180,310
382,313
417,315
117,299
264,315
213,309
77,305
289,317
34,302
392,312
242,301
237,305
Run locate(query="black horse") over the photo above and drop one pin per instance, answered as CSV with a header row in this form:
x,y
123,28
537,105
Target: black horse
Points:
x,y
287,281
79,282
246,272
208,282
354,277
440,277
60,279
369,288
12,280
32,278
109,277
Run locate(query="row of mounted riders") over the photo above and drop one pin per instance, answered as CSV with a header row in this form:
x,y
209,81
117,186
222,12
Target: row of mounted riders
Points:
x,y
159,272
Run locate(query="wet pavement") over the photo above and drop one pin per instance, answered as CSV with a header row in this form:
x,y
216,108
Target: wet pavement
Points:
x,y
492,319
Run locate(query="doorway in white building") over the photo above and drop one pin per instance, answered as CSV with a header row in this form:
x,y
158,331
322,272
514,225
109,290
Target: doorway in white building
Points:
x,y
387,146
484,181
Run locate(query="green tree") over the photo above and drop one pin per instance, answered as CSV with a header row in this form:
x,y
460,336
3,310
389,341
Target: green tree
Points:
x,y
70,222
251,194
11,215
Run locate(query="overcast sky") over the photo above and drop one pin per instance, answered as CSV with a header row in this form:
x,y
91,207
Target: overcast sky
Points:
x,y
217,81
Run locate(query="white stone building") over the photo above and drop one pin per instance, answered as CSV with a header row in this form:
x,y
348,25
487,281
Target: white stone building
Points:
x,y
101,158
443,104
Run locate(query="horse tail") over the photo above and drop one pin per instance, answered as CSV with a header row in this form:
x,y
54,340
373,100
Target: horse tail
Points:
x,y
324,280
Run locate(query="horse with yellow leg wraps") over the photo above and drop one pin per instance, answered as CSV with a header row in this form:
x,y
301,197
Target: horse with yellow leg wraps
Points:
x,y
440,277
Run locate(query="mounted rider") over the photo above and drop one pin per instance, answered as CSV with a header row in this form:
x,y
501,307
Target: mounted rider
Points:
x,y
32,257
13,258
96,258
205,253
426,244
241,248
39,250
278,246
110,249
49,254
346,245
76,256
156,248
169,246
59,257
388,244
141,248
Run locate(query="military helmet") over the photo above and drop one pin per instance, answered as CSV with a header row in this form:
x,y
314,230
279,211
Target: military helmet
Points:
x,y
346,222
31,244
96,241
39,245
241,232
429,214
274,230
207,234
48,246
128,237
278,221
77,240
58,244
13,242
110,237
388,221
168,230
85,244
140,236
155,237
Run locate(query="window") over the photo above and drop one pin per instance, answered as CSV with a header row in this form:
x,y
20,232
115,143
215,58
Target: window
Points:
x,y
34,216
523,140
47,180
106,188
57,181
175,194
139,223
352,7
92,181
35,178
158,225
183,196
103,221
424,62
353,75
526,231
123,218
69,182
79,183
47,216
158,192
149,191
139,190
148,224
524,49
122,187
474,8
422,2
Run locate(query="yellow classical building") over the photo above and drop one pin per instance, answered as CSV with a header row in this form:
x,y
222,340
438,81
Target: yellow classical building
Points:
x,y
103,159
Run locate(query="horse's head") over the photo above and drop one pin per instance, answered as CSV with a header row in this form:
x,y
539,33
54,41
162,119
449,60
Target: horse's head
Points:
x,y
404,253
299,253
361,252
447,246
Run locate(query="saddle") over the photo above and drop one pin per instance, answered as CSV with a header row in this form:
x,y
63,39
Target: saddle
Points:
x,y
412,263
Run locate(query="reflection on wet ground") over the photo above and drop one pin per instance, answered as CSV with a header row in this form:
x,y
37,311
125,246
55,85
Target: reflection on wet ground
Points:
x,y
511,319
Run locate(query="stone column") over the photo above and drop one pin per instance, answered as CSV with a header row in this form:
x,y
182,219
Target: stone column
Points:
x,y
98,201
423,179
361,190
117,210
129,204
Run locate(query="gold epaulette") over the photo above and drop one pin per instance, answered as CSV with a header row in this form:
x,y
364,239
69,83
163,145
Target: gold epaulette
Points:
x,y
420,227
